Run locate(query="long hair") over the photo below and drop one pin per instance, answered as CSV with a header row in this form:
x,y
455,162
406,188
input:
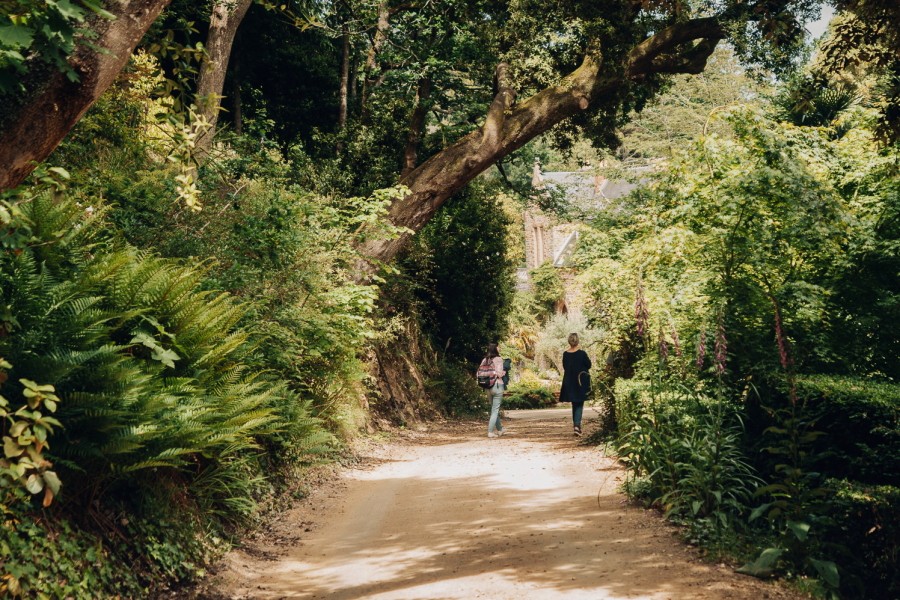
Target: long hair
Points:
x,y
492,351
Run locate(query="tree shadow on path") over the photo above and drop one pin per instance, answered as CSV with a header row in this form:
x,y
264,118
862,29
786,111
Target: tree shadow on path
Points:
x,y
517,517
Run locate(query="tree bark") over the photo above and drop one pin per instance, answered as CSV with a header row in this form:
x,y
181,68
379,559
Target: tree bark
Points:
x,y
416,126
223,25
507,127
381,29
35,126
345,77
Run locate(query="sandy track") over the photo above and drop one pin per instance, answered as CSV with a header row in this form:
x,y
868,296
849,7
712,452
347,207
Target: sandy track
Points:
x,y
451,514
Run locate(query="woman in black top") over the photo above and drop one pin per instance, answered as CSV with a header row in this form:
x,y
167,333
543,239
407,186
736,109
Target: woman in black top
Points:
x,y
576,382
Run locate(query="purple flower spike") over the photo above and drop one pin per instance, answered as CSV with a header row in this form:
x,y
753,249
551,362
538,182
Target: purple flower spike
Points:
x,y
701,349
641,314
782,342
721,348
676,341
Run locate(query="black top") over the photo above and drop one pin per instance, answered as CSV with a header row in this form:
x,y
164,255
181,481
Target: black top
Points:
x,y
575,389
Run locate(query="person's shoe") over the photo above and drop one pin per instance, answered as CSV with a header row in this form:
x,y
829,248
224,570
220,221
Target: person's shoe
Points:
x,y
500,432
578,432
492,435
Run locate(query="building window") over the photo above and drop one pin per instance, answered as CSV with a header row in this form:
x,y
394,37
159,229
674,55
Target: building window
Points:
x,y
538,232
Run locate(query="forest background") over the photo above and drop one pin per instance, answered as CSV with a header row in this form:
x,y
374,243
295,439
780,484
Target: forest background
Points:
x,y
212,283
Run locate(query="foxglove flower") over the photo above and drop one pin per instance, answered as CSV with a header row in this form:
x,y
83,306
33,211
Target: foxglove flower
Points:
x,y
721,348
641,314
701,349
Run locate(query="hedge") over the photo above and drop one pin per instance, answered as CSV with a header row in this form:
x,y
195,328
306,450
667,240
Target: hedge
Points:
x,y
865,524
861,422
528,396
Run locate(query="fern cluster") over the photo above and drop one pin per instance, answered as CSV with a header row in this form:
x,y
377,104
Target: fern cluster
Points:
x,y
151,369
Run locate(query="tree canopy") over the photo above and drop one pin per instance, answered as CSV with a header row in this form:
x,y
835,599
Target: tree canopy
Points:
x,y
453,86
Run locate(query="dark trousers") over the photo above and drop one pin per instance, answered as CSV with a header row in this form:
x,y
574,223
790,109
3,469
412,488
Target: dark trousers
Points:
x,y
577,409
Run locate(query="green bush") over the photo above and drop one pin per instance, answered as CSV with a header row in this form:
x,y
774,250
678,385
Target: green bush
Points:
x,y
463,278
548,289
156,397
54,559
456,392
861,423
684,455
865,522
528,395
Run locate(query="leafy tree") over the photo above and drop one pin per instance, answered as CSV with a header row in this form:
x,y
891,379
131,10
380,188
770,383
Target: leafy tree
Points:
x,y
548,290
465,278
767,225
863,41
685,110
609,61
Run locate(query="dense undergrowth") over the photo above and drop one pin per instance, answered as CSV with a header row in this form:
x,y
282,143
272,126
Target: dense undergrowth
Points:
x,y
161,412
758,404
168,373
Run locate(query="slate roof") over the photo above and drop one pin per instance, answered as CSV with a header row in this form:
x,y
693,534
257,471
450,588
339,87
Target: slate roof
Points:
x,y
581,185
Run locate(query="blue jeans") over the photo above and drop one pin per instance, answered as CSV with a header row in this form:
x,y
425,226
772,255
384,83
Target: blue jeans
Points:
x,y
496,395
577,409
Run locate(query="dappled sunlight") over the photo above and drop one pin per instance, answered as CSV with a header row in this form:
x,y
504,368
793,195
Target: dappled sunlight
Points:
x,y
508,518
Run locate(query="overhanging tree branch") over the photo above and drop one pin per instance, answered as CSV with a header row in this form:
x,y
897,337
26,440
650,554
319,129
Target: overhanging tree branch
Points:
x,y
660,51
33,128
504,98
680,48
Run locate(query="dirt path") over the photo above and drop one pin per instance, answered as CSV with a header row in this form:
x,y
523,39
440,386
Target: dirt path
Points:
x,y
452,514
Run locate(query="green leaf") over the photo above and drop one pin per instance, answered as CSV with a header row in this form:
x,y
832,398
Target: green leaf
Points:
x,y
166,357
828,571
31,386
52,481
764,564
10,448
34,483
800,529
16,36
68,10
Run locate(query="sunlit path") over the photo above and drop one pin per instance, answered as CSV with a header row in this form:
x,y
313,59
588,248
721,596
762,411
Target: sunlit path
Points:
x,y
456,515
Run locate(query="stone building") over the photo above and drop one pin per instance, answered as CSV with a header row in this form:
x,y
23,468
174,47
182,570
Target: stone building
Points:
x,y
549,239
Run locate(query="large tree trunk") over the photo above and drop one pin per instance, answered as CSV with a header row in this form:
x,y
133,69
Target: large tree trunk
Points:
x,y
416,126
381,30
32,128
449,170
223,25
343,93
508,127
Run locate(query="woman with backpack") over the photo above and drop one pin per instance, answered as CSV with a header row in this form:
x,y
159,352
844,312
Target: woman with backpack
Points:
x,y
576,381
490,376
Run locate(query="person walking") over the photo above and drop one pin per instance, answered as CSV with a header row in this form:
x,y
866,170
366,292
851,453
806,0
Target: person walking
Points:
x,y
495,392
576,381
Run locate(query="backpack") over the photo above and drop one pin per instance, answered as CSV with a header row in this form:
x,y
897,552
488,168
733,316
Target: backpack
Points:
x,y
507,366
485,374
